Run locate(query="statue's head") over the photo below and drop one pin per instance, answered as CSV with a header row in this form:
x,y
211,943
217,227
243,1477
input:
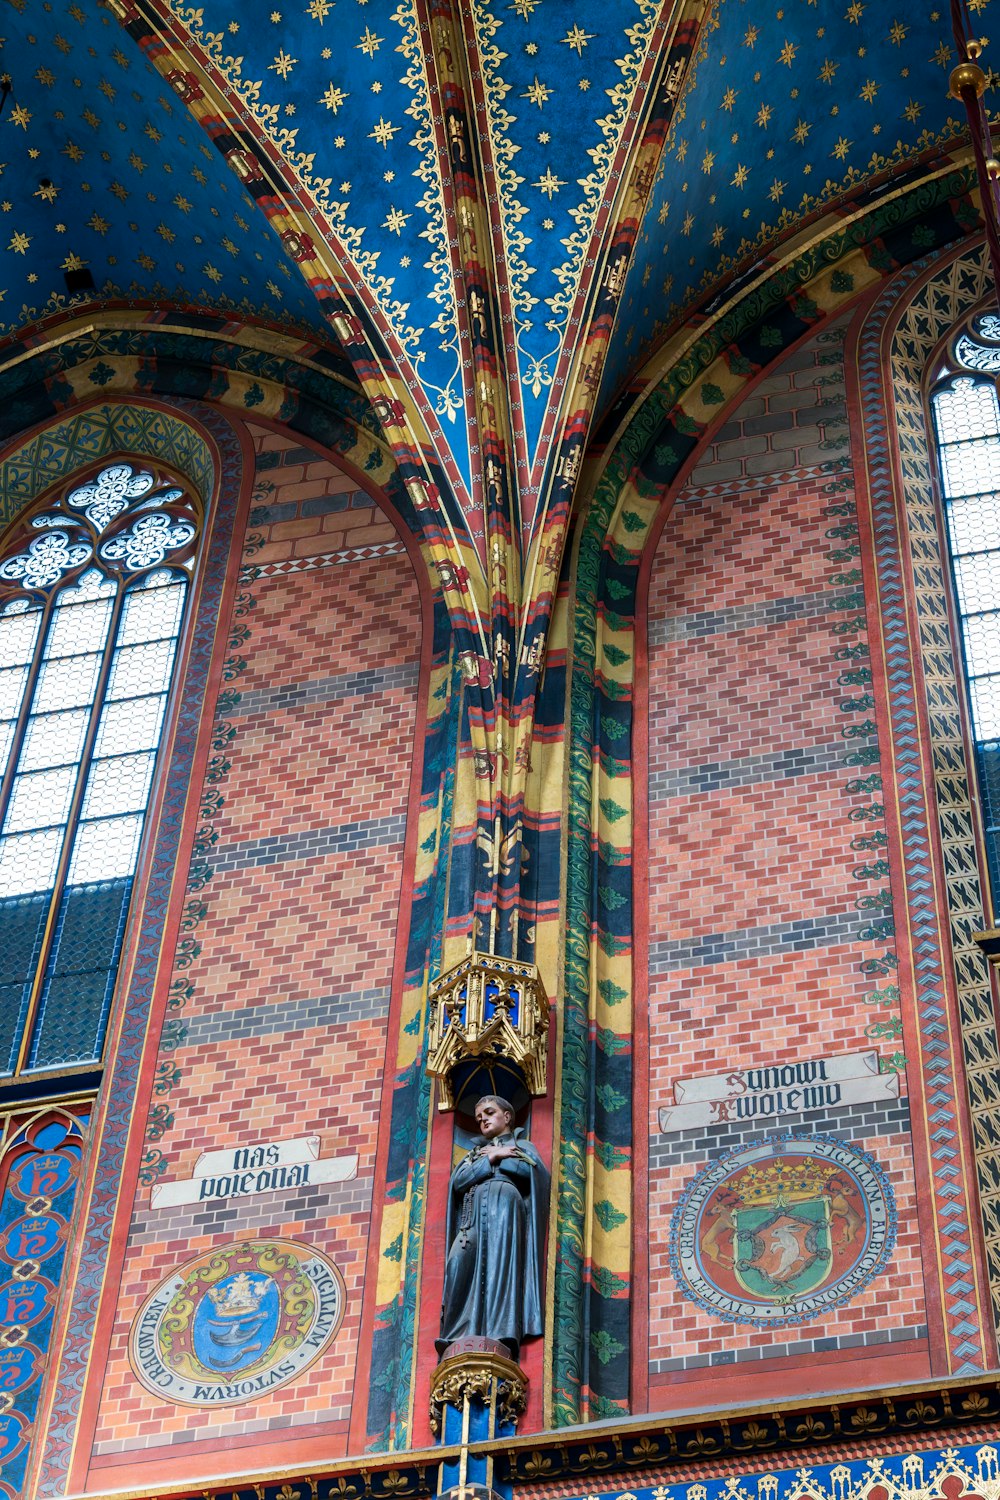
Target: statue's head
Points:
x,y
494,1115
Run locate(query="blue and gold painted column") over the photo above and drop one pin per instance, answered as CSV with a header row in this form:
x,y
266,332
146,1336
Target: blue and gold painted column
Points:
x,y
477,1395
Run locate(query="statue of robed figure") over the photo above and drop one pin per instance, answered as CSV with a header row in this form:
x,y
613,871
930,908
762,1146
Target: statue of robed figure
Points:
x,y
498,1201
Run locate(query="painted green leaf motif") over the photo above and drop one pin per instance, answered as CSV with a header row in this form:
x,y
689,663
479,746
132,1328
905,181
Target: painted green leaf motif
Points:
x,y
611,810
611,993
602,1408
612,945
621,555
606,1283
412,1027
665,454
631,521
608,1216
610,899
608,854
605,1346
771,337
610,1156
615,655
610,1043
609,1097
711,394
613,729
427,847
617,589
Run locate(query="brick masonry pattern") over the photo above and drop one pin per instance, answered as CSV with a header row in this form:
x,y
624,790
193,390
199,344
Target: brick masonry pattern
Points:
x,y
284,1032
755,937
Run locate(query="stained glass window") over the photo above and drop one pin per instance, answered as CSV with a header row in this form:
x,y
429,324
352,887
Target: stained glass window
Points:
x,y
967,422
92,594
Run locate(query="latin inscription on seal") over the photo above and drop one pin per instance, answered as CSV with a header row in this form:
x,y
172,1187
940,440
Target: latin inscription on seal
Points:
x,y
782,1230
237,1323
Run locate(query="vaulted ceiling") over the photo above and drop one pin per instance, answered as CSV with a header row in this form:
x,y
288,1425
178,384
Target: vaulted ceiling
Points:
x,y
431,167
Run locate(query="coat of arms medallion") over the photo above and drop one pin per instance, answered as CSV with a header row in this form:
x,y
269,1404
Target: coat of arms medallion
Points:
x,y
236,1323
782,1230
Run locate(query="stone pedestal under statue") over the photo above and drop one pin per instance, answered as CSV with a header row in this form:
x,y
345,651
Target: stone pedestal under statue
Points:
x,y
477,1394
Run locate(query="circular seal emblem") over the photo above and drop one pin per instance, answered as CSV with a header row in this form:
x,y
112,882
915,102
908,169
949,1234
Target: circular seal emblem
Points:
x,y
782,1230
236,1323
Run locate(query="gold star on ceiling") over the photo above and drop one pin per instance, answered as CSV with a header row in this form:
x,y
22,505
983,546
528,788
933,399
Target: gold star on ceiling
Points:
x,y
282,65
334,97
538,93
383,132
577,39
549,183
369,43
395,221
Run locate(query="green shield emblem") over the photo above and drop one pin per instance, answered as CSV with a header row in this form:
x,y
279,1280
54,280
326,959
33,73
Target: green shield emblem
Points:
x,y
783,1251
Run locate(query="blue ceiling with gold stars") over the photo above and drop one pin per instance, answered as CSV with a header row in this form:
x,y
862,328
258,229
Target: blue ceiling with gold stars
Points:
x,y
342,89
788,109
103,170
789,106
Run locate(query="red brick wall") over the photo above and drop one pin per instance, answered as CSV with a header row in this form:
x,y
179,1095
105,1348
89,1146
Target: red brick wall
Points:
x,y
755,936
284,1034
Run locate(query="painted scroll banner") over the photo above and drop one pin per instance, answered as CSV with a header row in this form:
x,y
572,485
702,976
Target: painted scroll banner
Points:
x,y
779,1089
248,1170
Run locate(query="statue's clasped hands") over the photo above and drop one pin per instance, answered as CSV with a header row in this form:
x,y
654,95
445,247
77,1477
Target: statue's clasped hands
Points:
x,y
495,1154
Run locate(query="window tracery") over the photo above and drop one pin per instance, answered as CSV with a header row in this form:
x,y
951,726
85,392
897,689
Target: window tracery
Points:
x,y
92,595
966,414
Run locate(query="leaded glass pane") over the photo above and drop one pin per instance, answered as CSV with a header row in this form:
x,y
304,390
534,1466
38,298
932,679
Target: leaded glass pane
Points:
x,y
974,522
966,410
80,975
11,688
54,739
40,799
68,682
140,669
118,785
105,849
971,468
985,695
28,862
18,634
152,613
131,725
981,634
78,628
976,582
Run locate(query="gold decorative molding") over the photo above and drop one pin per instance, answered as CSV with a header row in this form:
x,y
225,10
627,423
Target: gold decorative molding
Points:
x,y
483,1373
492,1012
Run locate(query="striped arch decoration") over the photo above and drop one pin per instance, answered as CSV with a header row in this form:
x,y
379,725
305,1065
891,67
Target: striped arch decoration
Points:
x,y
923,742
591,1262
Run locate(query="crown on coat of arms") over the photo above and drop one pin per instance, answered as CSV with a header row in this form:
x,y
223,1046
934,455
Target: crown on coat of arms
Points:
x,y
240,1298
788,1179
